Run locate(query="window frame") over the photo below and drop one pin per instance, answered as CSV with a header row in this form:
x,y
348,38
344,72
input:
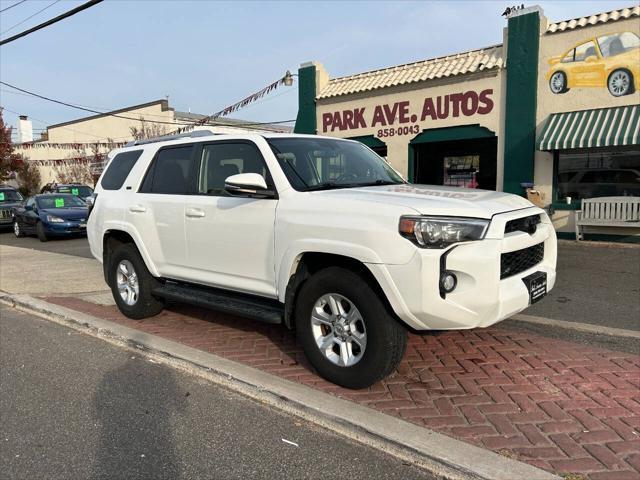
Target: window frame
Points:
x,y
272,191
150,172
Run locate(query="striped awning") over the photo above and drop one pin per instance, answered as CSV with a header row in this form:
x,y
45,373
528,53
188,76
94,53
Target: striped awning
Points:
x,y
602,127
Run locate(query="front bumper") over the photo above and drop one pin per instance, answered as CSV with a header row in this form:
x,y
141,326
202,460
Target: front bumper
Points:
x,y
66,228
480,298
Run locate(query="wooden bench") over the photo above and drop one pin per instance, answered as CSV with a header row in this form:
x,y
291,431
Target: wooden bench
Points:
x,y
608,212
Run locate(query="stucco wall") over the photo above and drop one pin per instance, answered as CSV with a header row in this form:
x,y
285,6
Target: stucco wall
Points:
x,y
412,113
581,98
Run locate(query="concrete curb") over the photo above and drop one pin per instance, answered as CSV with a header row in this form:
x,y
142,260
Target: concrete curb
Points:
x,y
437,453
577,326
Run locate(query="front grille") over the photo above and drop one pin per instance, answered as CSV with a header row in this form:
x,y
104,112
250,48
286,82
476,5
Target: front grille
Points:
x,y
513,263
5,214
525,224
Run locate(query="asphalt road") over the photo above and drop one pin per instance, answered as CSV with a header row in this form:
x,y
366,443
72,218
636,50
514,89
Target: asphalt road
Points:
x,y
73,406
597,284
77,246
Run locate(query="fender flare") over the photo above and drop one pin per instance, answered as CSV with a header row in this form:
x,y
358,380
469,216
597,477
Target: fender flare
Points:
x,y
137,240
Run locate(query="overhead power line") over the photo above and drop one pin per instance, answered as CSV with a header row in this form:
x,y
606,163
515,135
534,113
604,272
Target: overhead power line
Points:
x,y
11,6
30,17
70,13
204,121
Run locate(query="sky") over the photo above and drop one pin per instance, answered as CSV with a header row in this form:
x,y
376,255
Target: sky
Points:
x,y
206,55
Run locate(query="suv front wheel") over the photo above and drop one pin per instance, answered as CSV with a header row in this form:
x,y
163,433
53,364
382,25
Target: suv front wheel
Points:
x,y
345,329
131,284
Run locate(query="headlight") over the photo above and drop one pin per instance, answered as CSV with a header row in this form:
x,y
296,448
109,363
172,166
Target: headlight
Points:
x,y
440,232
54,219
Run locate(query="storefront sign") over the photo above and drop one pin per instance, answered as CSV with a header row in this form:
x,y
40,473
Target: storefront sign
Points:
x,y
392,119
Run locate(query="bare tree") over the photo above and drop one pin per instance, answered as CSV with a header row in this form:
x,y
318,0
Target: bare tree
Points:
x,y
77,168
28,178
147,130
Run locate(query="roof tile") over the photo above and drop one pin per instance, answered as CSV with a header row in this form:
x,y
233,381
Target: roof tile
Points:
x,y
457,64
605,17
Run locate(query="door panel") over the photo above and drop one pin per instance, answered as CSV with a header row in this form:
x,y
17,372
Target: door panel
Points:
x,y
230,239
158,210
230,245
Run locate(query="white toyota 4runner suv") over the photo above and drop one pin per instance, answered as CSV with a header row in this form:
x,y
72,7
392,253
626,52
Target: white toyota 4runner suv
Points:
x,y
319,234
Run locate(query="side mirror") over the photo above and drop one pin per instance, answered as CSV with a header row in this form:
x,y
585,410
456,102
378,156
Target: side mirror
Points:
x,y
591,59
247,184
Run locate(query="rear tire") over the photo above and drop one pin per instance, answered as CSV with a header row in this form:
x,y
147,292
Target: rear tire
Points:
x,y
17,229
42,235
132,284
382,337
620,83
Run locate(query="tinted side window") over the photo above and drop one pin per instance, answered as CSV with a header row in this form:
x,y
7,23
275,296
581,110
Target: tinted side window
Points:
x,y
170,172
222,160
119,169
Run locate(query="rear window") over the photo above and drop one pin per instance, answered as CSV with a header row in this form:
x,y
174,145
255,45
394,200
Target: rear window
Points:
x,y
119,169
171,172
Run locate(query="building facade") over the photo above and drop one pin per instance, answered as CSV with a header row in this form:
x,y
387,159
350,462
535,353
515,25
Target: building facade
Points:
x,y
87,140
554,107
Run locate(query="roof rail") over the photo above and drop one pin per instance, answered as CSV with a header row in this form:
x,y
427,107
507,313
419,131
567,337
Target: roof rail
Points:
x,y
166,138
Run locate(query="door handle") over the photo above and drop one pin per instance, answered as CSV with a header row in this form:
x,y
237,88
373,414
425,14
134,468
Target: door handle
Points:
x,y
137,209
194,213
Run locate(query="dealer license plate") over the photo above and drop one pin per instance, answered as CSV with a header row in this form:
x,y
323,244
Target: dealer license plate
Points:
x,y
537,285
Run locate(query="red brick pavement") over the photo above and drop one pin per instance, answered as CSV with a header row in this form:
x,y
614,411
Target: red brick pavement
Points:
x,y
560,406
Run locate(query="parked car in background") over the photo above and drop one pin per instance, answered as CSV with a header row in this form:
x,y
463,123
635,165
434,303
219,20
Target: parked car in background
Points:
x,y
79,190
50,215
9,199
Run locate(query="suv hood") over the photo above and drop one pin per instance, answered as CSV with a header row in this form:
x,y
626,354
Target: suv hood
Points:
x,y
436,200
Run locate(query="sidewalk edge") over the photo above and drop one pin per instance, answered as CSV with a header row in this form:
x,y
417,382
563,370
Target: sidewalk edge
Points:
x,y
439,454
576,326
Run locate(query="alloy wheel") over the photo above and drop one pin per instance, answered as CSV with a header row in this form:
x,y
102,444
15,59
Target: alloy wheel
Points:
x,y
338,329
619,83
16,228
557,82
127,282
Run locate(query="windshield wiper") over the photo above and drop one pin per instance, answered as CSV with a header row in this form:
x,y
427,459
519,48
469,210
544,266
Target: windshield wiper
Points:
x,y
379,182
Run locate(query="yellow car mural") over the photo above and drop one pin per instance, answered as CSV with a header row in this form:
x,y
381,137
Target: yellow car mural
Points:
x,y
611,61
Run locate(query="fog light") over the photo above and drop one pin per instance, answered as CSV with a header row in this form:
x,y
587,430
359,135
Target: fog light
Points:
x,y
448,282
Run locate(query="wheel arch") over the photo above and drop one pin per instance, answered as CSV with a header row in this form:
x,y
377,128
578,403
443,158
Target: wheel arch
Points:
x,y
307,263
114,237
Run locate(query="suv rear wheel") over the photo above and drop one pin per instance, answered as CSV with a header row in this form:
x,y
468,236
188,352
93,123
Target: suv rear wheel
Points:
x,y
345,329
132,284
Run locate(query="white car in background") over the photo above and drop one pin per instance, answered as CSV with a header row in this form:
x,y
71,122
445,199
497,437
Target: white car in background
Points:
x,y
316,233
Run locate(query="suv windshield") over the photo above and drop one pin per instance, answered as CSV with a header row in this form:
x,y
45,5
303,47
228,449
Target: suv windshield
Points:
x,y
10,196
323,163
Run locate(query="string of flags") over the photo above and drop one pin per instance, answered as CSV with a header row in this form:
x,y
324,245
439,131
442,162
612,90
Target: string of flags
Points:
x,y
66,161
69,145
233,108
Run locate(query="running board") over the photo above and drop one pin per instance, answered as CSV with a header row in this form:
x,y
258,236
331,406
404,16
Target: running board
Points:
x,y
256,308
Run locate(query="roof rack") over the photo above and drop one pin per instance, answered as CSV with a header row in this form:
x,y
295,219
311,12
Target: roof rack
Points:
x,y
166,138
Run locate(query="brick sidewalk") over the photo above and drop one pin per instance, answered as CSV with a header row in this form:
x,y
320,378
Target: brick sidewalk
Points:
x,y
560,406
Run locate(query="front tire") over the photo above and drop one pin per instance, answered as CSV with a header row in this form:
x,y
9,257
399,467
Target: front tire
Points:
x,y
620,83
131,284
42,235
17,229
558,83
345,329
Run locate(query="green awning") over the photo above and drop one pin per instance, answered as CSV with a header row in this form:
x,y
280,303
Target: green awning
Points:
x,y
602,127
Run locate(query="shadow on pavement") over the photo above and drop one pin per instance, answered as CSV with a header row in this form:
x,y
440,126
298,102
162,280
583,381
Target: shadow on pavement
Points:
x,y
136,435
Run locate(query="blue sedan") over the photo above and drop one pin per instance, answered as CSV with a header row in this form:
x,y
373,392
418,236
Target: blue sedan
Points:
x,y
51,215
